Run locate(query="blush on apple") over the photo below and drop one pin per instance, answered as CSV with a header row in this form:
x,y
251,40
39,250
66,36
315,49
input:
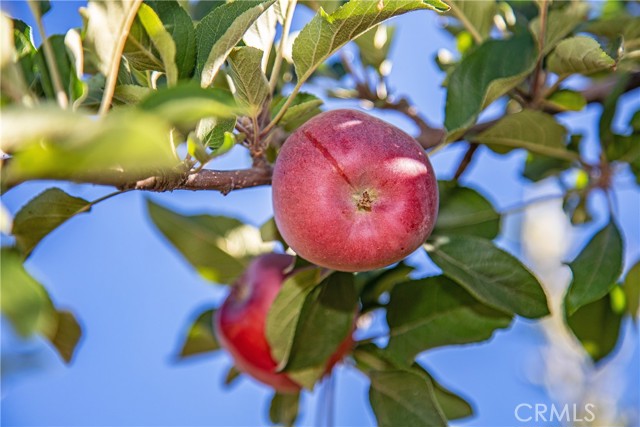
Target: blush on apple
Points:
x,y
352,192
241,320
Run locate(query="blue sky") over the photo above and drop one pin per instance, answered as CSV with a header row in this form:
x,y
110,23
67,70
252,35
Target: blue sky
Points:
x,y
134,294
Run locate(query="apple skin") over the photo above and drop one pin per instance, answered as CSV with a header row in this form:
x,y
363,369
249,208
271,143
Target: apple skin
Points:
x,y
241,321
352,192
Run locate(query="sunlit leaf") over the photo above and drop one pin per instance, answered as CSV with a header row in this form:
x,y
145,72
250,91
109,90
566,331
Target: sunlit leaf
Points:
x,y
479,14
162,41
567,100
219,31
303,107
559,24
252,87
632,290
201,337
326,33
579,55
218,247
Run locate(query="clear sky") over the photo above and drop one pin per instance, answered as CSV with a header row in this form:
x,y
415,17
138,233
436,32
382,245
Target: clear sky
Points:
x,y
134,294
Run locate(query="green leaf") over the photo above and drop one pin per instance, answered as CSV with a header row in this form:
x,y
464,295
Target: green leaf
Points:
x,y
325,33
595,269
303,107
232,375
453,406
538,167
27,305
219,31
201,337
490,274
220,137
252,87
132,94
105,26
187,103
65,334
374,46
534,131
464,211
370,358
485,75
326,319
284,408
262,32
560,23
285,312
270,233
375,283
177,22
626,25
434,312
218,247
597,327
162,41
632,291
43,214
24,301
581,55
404,398
478,14
49,143
567,100
70,82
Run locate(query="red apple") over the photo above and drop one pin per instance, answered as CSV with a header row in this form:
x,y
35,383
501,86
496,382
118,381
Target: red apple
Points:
x,y
240,322
352,192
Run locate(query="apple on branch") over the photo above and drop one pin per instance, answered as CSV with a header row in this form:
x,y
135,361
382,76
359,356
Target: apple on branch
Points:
x,y
352,192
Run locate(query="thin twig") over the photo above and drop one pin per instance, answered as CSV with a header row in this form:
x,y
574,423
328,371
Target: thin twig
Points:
x,y
112,77
286,27
61,95
537,74
466,160
477,37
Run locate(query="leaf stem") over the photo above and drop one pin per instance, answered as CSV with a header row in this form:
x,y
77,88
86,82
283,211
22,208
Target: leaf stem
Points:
x,y
286,27
112,78
537,74
477,37
284,108
61,95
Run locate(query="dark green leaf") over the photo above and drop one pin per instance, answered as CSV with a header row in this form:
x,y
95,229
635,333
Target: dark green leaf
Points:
x,y
375,283
534,131
490,274
595,269
325,33
609,108
69,80
220,137
284,408
581,55
252,87
632,291
404,398
434,312
201,337
597,327
219,31
464,211
538,167
483,76
42,215
325,321
611,27
218,247
187,103
453,406
177,22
